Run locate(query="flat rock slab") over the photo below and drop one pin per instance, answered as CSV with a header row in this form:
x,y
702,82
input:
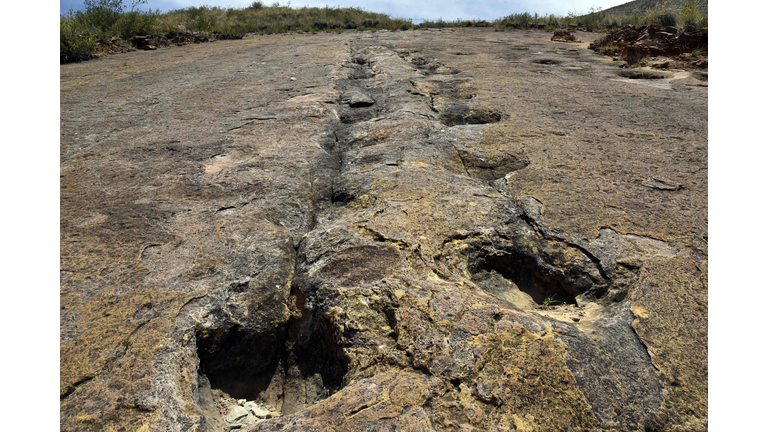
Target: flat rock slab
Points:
x,y
453,229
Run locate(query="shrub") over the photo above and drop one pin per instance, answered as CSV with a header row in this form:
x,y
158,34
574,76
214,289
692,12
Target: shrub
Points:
x,y
77,39
667,20
692,15
594,19
523,20
103,14
137,23
201,19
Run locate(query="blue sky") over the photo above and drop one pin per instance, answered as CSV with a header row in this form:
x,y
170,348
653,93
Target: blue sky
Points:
x,y
417,10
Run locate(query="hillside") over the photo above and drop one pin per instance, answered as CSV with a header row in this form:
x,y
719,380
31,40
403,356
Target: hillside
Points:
x,y
638,7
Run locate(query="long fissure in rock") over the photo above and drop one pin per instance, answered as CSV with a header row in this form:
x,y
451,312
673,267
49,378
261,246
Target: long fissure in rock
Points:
x,y
247,374
301,363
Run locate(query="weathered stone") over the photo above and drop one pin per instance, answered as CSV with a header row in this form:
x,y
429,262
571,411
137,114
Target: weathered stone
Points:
x,y
473,251
258,411
356,98
235,414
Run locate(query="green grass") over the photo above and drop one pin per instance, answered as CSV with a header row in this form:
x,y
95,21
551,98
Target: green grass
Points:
x,y
549,302
609,48
698,52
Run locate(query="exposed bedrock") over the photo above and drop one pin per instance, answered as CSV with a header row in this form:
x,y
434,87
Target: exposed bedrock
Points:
x,y
358,248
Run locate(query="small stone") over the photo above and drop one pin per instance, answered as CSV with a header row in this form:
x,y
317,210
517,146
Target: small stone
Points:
x,y
258,411
236,414
483,392
293,78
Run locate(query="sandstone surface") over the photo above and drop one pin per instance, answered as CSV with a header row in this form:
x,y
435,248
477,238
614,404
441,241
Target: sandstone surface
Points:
x,y
449,230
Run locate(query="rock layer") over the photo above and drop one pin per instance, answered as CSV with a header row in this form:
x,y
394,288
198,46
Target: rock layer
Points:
x,y
430,230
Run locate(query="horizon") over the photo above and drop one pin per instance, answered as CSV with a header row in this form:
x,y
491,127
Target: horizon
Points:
x,y
416,11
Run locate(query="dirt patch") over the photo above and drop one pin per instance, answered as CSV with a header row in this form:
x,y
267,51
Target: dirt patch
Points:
x,y
568,312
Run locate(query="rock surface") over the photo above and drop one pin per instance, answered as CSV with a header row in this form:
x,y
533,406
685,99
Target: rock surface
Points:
x,y
512,236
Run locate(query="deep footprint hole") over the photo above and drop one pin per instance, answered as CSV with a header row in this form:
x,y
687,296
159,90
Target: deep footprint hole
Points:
x,y
288,372
546,61
499,274
642,74
238,363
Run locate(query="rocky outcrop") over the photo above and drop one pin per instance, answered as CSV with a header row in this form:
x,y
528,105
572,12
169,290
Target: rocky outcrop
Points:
x,y
634,44
345,232
563,35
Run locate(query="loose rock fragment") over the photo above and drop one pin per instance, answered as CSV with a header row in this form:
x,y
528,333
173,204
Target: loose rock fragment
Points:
x,y
235,414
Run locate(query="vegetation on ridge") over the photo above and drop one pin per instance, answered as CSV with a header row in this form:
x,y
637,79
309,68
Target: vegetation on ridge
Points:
x,y
104,19
667,14
85,34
